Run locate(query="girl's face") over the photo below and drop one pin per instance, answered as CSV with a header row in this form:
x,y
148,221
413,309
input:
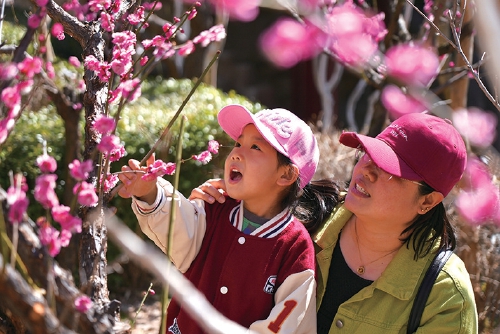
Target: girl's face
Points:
x,y
375,195
251,170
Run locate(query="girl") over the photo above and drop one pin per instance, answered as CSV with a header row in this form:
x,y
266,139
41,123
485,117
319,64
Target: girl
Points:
x,y
253,260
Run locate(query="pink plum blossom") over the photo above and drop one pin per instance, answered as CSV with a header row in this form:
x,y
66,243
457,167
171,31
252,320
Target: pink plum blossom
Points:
x,y
213,146
108,143
476,174
80,170
30,66
241,10
73,61
144,60
104,124
62,215
352,35
49,68
18,204
6,125
46,163
288,42
355,50
102,68
152,5
476,126
115,6
158,169
80,10
130,89
136,17
25,86
65,237
121,63
11,96
20,181
41,3
204,157
479,205
85,193
125,41
107,22
186,49
192,14
8,71
83,303
479,199
117,153
58,31
169,29
164,50
34,21
44,190
99,5
49,237
110,182
214,34
412,64
398,103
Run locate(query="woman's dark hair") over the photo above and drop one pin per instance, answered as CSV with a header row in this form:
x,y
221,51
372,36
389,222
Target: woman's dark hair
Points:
x,y
427,228
314,203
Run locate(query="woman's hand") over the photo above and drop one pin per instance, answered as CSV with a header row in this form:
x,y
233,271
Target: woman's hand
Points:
x,y
134,185
210,191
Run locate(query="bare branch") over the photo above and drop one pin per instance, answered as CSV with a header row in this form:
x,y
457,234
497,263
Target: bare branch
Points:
x,y
72,26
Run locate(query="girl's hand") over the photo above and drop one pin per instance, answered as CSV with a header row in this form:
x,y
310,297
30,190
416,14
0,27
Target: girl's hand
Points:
x,y
134,185
210,191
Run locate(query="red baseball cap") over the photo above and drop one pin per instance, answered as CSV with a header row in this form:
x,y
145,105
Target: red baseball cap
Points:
x,y
417,147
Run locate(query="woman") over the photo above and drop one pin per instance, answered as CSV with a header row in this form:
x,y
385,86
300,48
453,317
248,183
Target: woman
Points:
x,y
373,251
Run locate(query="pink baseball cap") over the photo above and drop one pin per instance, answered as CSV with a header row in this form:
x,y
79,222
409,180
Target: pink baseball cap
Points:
x,y
417,147
286,132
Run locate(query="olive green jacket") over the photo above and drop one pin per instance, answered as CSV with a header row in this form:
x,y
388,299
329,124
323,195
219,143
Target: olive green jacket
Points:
x,y
384,306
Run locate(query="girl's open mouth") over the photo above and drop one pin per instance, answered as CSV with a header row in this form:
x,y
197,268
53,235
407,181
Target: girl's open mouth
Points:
x,y
235,175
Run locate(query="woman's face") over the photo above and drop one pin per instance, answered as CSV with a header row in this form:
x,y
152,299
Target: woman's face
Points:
x,y
378,196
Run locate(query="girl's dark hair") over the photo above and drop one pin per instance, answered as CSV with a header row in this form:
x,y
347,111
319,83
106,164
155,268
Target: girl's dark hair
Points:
x,y
313,204
427,228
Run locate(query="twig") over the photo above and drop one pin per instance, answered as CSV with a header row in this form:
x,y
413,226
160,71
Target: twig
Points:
x,y
475,74
141,305
169,125
170,241
432,24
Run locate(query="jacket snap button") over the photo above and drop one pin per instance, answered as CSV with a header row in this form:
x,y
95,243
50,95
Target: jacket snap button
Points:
x,y
223,290
339,323
241,240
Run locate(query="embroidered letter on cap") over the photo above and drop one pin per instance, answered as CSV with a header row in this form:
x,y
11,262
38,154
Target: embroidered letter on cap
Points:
x,y
398,131
279,123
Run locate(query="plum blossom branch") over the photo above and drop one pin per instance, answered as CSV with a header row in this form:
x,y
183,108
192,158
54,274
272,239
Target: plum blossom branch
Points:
x,y
179,110
474,73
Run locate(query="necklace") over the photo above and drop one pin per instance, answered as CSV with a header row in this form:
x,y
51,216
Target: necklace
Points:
x,y
361,269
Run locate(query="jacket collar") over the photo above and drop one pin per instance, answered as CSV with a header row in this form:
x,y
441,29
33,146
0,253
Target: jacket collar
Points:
x,y
402,276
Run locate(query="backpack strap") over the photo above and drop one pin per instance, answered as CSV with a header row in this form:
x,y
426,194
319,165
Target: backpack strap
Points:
x,y
425,288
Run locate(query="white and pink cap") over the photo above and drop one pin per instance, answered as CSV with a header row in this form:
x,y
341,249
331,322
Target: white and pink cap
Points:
x,y
286,132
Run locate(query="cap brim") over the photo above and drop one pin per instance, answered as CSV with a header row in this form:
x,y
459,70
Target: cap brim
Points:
x,y
381,154
233,118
